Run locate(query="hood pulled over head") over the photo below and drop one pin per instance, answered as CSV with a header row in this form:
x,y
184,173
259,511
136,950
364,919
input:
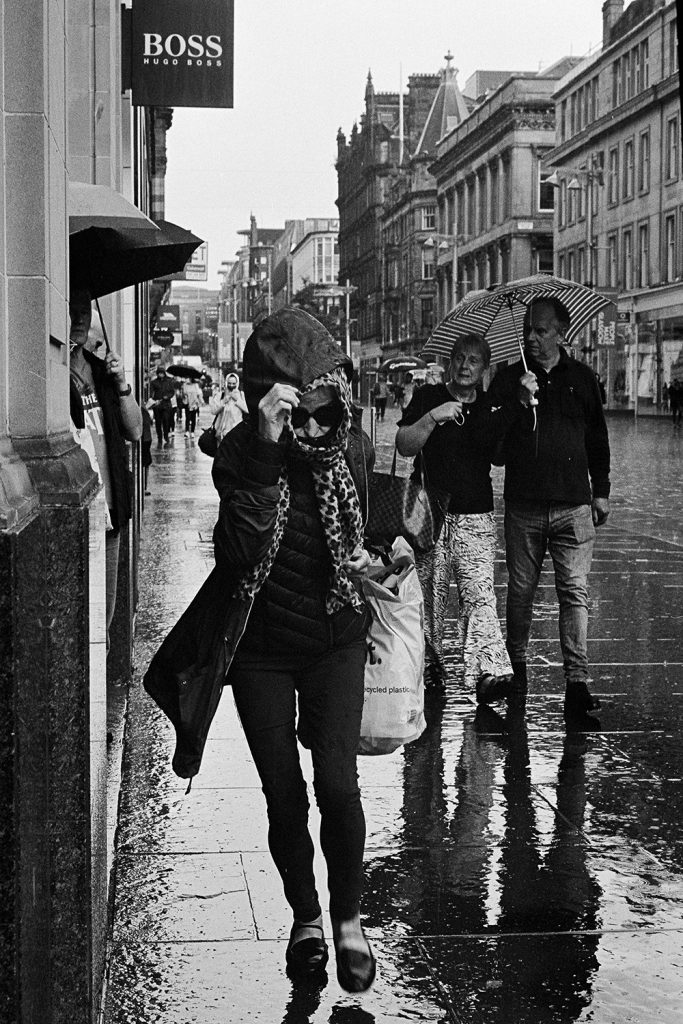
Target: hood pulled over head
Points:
x,y
288,347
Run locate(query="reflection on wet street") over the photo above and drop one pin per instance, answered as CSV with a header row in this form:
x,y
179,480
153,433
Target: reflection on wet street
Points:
x,y
516,872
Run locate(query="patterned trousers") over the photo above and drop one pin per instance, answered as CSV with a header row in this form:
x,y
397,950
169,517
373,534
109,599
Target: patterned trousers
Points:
x,y
464,552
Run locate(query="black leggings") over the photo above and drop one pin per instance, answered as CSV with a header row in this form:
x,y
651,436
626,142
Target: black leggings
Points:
x,y
330,696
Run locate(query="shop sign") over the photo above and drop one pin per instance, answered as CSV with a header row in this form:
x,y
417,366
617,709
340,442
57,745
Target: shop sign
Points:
x,y
168,318
181,53
607,327
196,268
162,337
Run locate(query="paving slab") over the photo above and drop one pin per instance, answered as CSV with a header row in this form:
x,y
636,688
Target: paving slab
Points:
x,y
517,871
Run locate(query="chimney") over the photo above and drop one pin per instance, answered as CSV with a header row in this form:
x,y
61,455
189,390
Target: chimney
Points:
x,y
612,10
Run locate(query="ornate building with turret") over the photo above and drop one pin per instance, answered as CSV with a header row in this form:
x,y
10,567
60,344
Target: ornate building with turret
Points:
x,y
368,164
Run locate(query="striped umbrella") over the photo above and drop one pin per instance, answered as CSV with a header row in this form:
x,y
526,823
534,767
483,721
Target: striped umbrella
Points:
x,y
499,315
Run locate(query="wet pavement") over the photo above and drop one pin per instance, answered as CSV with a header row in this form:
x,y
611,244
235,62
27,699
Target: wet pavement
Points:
x,y
516,873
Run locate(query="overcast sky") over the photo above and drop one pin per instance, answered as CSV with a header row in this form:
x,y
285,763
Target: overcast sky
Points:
x,y
300,73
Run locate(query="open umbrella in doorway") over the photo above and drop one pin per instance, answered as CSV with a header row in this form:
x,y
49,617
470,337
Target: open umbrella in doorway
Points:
x,y
104,260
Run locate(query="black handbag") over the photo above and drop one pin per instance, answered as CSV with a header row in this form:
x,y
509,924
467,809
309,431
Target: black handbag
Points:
x,y
208,440
404,507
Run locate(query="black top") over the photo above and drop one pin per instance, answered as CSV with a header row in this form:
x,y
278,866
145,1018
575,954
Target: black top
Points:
x,y
567,456
458,458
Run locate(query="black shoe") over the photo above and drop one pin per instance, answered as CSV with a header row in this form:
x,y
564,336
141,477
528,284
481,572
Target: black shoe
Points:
x,y
578,700
355,970
307,956
492,688
435,680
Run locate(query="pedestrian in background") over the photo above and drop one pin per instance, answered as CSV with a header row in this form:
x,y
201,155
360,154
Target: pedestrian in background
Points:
x,y
162,392
192,400
676,401
380,394
291,482
229,408
557,465
105,415
454,432
146,446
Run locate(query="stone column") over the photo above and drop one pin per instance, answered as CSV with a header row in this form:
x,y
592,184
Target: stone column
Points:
x,y
52,707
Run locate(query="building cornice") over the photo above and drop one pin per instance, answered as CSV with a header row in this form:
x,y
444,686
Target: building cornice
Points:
x,y
594,134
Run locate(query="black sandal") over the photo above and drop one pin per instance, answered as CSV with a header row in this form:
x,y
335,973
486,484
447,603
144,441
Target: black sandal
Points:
x,y
355,969
307,956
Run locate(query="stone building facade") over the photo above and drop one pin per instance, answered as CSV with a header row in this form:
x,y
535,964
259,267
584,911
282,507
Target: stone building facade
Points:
x,y
619,216
495,210
411,243
62,118
366,167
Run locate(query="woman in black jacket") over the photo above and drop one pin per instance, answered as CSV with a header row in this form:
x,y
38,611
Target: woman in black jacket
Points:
x,y
291,529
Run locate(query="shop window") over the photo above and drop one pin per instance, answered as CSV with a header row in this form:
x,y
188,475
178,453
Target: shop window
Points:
x,y
628,169
427,313
427,264
428,218
613,177
644,162
672,143
643,256
670,247
612,257
627,254
546,192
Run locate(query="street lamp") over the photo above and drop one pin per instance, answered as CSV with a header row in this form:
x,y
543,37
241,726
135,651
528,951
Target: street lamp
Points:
x,y
590,176
446,246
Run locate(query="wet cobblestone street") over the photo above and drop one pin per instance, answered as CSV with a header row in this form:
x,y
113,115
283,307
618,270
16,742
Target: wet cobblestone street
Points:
x,y
515,873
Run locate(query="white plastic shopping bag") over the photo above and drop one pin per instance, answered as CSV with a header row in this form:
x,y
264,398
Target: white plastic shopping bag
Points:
x,y
393,710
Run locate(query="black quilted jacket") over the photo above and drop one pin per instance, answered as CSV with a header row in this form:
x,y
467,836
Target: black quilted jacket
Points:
x,y
188,672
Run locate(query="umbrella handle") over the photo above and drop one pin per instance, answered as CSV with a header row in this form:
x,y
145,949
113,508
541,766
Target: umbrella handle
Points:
x,y
104,329
533,400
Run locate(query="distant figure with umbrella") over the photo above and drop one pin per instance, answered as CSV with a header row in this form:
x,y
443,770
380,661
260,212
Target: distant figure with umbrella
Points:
x,y
557,465
105,416
454,431
162,393
192,400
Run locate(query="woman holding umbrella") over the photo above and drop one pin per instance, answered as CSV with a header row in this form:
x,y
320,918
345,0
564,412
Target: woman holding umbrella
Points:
x,y
453,430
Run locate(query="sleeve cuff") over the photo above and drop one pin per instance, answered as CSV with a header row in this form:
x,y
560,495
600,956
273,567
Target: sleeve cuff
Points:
x,y
601,488
264,461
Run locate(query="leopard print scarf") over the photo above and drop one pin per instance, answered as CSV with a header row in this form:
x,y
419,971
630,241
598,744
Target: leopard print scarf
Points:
x,y
337,500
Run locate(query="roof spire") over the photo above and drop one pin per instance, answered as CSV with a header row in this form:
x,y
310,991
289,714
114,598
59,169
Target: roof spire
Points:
x,y
448,72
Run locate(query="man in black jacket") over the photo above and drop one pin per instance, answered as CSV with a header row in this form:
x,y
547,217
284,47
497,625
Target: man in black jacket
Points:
x,y
105,415
557,464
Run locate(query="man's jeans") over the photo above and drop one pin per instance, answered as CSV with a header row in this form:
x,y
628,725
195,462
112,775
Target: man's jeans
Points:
x,y
567,531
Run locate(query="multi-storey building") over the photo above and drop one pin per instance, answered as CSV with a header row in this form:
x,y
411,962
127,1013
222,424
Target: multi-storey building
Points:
x,y
411,244
619,216
494,206
314,258
390,129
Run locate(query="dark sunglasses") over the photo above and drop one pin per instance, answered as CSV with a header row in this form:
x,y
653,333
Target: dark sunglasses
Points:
x,y
324,416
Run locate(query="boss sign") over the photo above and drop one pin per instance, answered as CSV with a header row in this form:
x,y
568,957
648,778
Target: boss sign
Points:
x,y
182,53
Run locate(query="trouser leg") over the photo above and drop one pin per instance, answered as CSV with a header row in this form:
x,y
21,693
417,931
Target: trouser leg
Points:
x,y
525,546
434,574
265,701
570,543
474,554
112,542
331,698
